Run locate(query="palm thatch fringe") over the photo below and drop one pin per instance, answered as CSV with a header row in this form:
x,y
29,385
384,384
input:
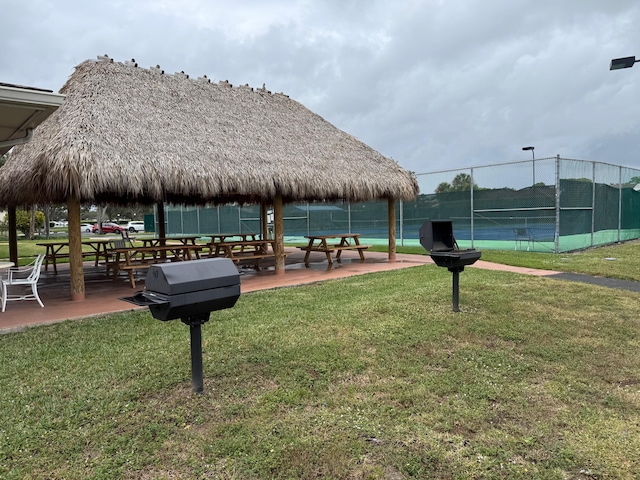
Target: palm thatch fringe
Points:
x,y
126,134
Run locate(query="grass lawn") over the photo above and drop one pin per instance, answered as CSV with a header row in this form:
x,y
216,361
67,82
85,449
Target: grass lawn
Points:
x,y
370,377
615,261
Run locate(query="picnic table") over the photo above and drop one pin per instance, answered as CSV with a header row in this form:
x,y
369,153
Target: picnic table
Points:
x,y
328,244
217,238
156,241
57,250
242,250
136,258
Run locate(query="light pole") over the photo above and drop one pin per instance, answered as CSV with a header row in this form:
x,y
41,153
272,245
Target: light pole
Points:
x,y
625,62
533,163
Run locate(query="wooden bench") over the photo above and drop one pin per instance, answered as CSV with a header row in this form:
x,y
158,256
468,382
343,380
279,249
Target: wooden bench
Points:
x,y
360,248
332,248
338,248
130,269
53,258
257,257
244,250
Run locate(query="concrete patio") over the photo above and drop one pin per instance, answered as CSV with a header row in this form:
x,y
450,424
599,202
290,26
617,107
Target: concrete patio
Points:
x,y
102,293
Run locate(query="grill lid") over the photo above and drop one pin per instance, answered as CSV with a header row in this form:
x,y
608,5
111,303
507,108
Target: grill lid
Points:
x,y
185,277
437,236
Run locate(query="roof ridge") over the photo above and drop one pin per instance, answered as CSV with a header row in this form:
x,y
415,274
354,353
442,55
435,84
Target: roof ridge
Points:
x,y
203,79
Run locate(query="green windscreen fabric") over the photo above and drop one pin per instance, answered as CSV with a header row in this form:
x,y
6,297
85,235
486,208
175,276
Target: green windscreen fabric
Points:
x,y
561,204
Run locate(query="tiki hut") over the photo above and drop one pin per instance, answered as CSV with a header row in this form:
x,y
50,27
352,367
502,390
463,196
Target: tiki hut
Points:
x,y
127,135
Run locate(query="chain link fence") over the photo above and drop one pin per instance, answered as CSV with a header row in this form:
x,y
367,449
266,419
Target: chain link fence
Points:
x,y
548,205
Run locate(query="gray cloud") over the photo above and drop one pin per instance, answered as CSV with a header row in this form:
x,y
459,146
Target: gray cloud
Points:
x,y
433,84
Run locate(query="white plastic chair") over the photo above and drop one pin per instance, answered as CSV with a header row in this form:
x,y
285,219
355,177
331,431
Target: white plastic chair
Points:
x,y
25,275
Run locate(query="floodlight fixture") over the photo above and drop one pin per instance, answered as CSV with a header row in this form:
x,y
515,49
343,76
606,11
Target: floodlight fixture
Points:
x,y
625,62
532,152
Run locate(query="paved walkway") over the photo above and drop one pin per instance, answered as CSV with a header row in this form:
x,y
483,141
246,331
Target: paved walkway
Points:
x,y
102,294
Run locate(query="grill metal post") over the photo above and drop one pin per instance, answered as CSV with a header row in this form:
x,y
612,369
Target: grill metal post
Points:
x,y
195,329
197,380
456,288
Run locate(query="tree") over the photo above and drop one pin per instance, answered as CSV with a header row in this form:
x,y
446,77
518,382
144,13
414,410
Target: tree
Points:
x,y
443,187
460,183
130,212
58,213
101,215
23,221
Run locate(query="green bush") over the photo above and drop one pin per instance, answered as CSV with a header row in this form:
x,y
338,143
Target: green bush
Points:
x,y
23,219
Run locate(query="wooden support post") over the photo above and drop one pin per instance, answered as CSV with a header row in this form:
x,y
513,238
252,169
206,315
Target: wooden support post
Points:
x,y
278,230
13,235
75,249
264,230
392,229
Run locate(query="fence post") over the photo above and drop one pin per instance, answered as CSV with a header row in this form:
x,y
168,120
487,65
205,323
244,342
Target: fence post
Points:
x,y
593,200
556,236
472,210
264,227
162,227
391,207
619,203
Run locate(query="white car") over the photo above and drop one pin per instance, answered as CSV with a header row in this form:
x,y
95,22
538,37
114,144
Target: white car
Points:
x,y
135,226
86,227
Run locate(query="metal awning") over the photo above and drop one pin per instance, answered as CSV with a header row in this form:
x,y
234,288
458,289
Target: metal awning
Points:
x,y
21,110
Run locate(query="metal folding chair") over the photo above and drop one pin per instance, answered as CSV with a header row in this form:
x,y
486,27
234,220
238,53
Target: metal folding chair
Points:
x,y
523,235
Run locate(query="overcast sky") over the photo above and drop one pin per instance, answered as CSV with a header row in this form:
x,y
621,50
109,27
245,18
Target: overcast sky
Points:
x,y
433,84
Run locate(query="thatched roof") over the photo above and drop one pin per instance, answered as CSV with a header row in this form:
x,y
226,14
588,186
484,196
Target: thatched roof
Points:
x,y
126,134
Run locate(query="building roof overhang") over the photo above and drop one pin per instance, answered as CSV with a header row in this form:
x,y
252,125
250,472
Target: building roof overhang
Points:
x,y
21,110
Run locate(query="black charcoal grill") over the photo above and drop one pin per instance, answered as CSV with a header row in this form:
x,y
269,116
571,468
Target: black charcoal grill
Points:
x,y
190,291
436,236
